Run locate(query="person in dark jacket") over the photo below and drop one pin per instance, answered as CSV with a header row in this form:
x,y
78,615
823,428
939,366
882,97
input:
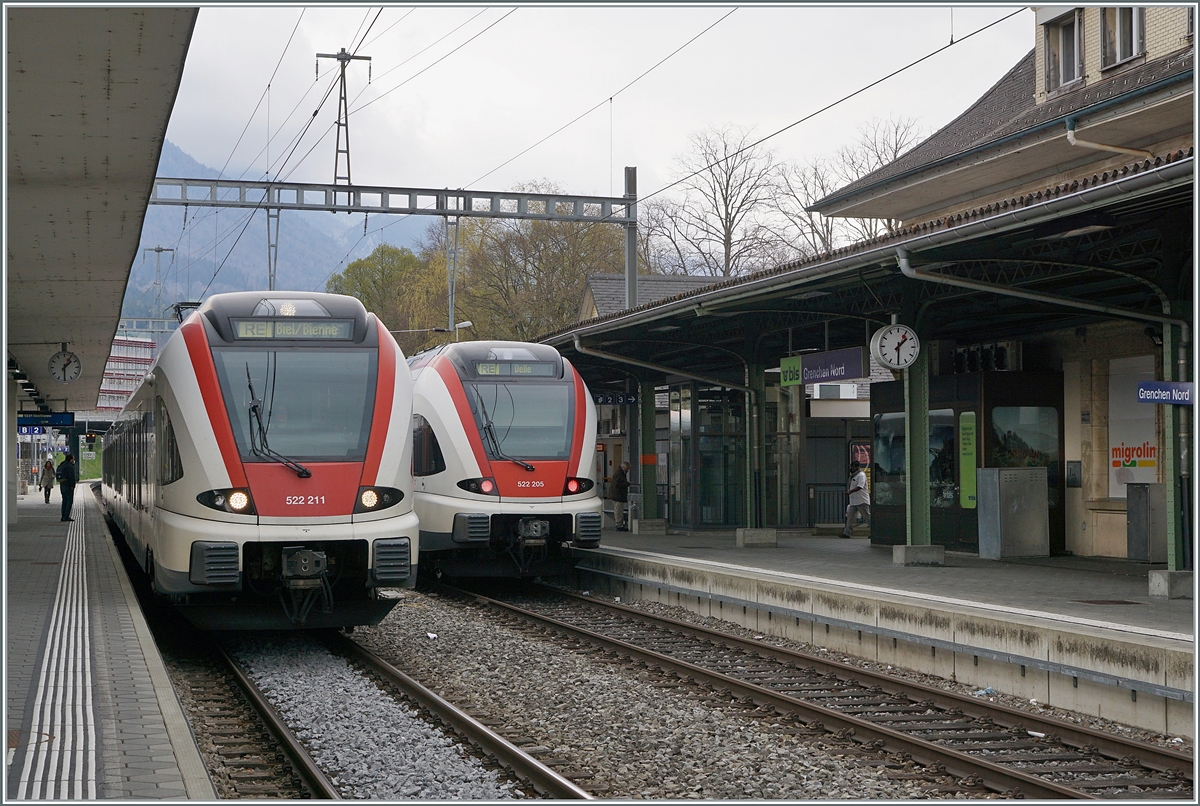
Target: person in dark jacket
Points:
x,y
68,477
620,495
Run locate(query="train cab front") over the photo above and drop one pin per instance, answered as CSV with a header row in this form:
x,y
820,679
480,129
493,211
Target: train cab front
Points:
x,y
517,496
309,399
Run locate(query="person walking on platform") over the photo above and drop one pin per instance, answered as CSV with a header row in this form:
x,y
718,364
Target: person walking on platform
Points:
x,y
68,476
46,479
620,495
860,499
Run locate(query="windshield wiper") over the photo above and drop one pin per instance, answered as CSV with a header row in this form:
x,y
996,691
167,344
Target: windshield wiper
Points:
x,y
260,447
489,432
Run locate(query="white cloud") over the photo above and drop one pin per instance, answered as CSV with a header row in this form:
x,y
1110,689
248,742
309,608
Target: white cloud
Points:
x,y
763,67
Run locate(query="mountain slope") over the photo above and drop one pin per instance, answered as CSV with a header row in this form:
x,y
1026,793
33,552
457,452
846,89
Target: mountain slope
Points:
x,y
232,245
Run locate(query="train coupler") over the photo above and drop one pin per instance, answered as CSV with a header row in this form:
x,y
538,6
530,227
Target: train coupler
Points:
x,y
533,532
305,577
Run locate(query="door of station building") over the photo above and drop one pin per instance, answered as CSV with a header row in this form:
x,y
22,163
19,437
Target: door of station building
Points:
x,y
994,419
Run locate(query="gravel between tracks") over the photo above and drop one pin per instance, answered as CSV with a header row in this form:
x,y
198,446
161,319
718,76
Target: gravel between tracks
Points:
x,y
1033,706
369,744
639,740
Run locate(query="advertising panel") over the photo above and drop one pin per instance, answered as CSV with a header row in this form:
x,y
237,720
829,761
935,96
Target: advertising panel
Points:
x,y
1132,444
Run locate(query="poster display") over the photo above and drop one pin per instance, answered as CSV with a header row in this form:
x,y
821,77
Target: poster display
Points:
x,y
1132,443
967,459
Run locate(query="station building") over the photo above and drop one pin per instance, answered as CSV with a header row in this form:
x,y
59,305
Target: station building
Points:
x,y
1045,261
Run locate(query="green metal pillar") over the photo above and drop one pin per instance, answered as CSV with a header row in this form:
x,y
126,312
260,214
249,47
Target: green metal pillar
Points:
x,y
756,413
649,451
1171,457
916,440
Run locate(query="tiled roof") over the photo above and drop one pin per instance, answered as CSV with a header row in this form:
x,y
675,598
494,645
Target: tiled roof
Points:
x,y
1008,109
608,290
913,231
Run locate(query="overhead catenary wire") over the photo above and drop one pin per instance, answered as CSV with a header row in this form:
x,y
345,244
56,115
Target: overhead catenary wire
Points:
x,y
308,124
607,100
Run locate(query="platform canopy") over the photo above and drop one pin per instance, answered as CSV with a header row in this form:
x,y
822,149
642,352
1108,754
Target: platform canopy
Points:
x,y
90,92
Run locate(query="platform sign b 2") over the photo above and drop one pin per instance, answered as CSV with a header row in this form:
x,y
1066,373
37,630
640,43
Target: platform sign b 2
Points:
x,y
966,459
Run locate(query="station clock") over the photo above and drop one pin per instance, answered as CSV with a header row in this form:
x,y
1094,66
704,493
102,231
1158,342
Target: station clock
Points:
x,y
895,346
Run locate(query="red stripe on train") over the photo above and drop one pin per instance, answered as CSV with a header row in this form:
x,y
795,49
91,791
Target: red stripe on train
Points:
x,y
580,430
279,493
547,480
459,395
214,402
385,391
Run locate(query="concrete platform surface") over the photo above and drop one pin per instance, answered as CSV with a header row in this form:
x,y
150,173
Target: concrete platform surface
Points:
x,y
1114,593
89,709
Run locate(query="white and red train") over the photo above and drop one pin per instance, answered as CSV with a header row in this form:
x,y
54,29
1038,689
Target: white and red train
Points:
x,y
261,473
504,435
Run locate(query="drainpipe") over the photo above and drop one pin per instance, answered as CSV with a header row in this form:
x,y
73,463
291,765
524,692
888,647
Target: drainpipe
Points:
x,y
751,401
1135,152
1185,341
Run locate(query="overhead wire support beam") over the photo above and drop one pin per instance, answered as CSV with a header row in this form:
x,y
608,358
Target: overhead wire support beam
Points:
x,y
252,195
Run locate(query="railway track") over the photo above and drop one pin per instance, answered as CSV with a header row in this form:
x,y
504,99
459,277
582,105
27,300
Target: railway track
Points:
x,y
1003,749
241,748
521,763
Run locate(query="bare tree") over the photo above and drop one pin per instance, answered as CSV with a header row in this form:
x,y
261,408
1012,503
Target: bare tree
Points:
x,y
799,185
717,226
880,143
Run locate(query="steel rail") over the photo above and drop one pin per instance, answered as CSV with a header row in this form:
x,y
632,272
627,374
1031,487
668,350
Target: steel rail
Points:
x,y
994,777
320,786
544,780
1152,756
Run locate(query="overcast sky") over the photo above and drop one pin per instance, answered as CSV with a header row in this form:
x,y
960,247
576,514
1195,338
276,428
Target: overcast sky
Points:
x,y
448,113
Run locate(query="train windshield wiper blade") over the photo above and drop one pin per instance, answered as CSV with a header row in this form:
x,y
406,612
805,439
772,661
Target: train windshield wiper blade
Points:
x,y
260,447
489,431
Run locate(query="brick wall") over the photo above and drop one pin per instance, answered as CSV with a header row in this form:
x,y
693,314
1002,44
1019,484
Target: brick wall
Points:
x,y
1165,32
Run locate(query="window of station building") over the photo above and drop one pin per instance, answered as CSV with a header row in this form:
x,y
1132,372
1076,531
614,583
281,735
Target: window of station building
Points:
x,y
427,454
943,456
1026,436
887,477
1121,34
1063,49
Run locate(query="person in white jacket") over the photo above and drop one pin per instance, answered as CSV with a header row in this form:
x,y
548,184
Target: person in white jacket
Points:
x,y
860,499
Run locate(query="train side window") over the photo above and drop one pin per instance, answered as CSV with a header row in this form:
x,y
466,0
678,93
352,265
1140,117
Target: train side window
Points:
x,y
427,454
170,467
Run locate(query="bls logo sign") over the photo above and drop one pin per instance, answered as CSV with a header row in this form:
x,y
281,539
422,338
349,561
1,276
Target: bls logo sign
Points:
x,y
789,371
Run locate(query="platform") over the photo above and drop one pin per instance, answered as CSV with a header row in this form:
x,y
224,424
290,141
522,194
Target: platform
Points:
x,y
90,711
1080,633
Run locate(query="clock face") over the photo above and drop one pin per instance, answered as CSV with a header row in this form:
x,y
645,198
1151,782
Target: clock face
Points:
x,y
895,346
65,367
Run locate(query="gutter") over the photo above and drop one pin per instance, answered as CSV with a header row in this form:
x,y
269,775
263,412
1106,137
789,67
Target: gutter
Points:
x,y
751,405
1069,117
1136,152
1143,182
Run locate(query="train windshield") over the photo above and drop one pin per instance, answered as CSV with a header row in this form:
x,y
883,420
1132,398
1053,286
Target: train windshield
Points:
x,y
530,420
316,404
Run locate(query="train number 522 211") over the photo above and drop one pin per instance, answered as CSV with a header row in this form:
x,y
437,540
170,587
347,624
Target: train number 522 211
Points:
x,y
300,500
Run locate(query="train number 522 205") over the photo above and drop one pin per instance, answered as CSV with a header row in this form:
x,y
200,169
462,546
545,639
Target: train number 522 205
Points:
x,y
300,500
531,484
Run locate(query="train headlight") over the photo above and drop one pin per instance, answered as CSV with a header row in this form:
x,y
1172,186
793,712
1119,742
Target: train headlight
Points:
x,y
575,486
237,501
373,499
479,486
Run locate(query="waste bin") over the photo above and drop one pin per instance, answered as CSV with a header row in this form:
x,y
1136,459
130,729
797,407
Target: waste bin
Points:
x,y
1014,512
1146,535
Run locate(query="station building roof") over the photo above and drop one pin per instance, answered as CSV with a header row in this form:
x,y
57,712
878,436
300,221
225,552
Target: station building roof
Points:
x,y
1008,135
1099,237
